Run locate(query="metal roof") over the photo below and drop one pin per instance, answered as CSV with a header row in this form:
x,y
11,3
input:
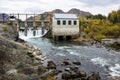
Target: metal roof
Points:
x,y
66,16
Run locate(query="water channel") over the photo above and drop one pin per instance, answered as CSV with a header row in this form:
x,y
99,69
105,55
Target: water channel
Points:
x,y
92,58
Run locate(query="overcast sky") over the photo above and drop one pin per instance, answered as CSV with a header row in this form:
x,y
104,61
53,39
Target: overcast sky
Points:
x,y
39,6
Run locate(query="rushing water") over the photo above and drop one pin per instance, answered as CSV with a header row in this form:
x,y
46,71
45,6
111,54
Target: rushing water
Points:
x,y
107,62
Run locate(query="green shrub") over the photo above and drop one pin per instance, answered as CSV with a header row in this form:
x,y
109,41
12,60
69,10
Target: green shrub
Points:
x,y
99,36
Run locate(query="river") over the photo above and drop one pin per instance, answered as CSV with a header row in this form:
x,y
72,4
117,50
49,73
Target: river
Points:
x,y
92,58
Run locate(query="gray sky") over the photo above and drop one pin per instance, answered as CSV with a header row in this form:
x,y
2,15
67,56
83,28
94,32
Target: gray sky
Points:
x,y
39,6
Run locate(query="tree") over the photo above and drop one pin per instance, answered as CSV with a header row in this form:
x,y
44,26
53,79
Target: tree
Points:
x,y
112,17
98,16
118,16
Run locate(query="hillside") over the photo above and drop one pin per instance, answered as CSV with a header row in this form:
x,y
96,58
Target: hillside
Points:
x,y
48,15
79,12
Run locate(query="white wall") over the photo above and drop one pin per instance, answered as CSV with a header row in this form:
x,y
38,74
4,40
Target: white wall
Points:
x,y
65,30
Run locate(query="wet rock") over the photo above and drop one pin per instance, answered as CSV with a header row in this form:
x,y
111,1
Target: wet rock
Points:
x,y
94,76
75,69
49,75
51,65
58,71
67,69
41,69
66,62
77,63
82,73
66,76
74,75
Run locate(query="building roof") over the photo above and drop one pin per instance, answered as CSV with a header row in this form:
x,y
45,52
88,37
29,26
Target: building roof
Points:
x,y
66,16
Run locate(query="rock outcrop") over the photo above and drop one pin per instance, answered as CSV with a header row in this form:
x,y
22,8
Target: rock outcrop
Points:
x,y
18,61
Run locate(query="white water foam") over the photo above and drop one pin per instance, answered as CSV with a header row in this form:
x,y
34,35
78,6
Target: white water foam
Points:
x,y
100,61
60,54
115,71
30,34
73,53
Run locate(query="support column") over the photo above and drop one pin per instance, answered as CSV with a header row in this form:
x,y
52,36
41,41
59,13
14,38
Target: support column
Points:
x,y
18,23
26,26
42,27
34,26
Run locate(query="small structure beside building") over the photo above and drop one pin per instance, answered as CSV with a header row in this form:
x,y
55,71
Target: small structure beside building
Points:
x,y
65,26
4,17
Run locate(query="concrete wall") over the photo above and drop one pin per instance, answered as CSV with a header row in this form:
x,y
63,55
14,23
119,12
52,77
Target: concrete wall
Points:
x,y
65,30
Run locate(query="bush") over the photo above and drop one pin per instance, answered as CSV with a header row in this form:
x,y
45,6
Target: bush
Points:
x,y
99,36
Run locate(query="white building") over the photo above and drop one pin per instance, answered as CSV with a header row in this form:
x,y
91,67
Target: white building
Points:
x,y
65,26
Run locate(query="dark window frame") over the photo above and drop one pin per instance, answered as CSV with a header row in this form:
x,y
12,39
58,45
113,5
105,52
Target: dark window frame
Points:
x,y
64,22
75,22
69,22
58,22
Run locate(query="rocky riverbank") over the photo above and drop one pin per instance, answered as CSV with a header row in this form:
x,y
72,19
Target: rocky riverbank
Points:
x,y
19,60
109,43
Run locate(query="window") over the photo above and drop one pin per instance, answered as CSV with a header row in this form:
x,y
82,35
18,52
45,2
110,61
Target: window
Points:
x,y
58,22
75,22
69,22
64,22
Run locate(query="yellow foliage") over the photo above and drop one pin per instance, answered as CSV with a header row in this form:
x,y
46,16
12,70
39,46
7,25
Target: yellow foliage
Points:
x,y
80,18
99,36
95,22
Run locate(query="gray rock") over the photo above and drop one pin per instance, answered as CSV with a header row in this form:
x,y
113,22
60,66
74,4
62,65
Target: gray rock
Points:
x,y
94,76
29,71
66,62
2,71
67,69
41,69
82,73
66,76
77,63
51,65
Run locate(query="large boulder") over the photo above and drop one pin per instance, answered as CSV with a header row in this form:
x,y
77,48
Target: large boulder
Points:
x,y
77,62
51,65
66,62
94,76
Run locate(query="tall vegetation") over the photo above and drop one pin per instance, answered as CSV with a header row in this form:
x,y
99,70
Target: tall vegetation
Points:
x,y
114,17
100,26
